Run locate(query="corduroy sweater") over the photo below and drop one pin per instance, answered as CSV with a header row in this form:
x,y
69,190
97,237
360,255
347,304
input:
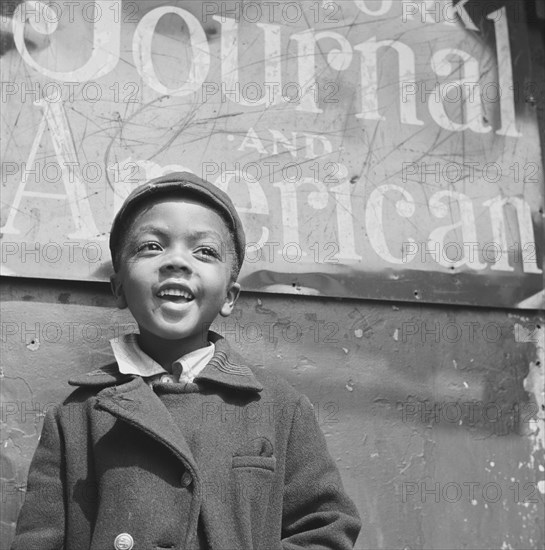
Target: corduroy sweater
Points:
x,y
234,461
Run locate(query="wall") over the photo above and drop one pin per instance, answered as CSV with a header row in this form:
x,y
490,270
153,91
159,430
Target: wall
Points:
x,y
429,411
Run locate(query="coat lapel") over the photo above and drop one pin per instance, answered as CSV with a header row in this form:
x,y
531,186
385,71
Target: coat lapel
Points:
x,y
136,404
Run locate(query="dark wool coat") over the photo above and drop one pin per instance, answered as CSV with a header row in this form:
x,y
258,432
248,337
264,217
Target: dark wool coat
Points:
x,y
235,462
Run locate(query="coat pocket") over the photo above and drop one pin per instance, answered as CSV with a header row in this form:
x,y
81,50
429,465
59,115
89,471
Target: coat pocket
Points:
x,y
265,462
253,477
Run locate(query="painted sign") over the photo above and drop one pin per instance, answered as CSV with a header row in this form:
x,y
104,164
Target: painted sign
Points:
x,y
380,149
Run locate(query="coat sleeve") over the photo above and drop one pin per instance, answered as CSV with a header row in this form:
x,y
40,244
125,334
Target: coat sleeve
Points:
x,y
317,513
40,525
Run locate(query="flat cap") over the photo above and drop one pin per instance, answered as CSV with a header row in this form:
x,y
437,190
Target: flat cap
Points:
x,y
186,184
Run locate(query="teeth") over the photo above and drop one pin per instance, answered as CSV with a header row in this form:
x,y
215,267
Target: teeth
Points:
x,y
175,292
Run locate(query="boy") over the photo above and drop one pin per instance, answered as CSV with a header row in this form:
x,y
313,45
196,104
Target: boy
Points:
x,y
179,443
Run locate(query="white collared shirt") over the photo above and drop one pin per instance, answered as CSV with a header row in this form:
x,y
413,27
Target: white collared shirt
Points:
x,y
132,360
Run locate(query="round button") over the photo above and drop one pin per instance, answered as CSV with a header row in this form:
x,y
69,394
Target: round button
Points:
x,y
166,379
123,541
186,479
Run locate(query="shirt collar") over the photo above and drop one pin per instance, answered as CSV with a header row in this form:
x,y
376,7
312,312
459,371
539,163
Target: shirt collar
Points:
x,y
132,360
226,368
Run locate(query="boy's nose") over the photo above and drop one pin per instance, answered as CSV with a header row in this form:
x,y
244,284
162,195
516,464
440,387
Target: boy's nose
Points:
x,y
176,261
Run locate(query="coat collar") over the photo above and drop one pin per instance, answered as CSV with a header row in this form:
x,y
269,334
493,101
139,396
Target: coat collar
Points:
x,y
128,398
226,368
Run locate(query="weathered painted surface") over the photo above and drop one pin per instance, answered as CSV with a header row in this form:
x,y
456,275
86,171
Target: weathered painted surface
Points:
x,y
374,148
434,415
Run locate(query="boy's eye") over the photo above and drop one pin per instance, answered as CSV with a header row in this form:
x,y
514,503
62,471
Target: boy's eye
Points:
x,y
208,251
150,245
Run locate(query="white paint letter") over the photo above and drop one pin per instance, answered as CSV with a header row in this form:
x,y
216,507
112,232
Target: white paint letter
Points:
x,y
470,92
230,66
505,74
142,51
306,58
76,193
106,39
467,225
290,214
525,228
369,80
382,10
374,221
345,217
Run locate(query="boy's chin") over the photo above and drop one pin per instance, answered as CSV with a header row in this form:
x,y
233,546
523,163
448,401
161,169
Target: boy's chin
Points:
x,y
172,334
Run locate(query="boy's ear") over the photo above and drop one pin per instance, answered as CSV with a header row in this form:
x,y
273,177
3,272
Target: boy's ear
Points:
x,y
232,296
117,291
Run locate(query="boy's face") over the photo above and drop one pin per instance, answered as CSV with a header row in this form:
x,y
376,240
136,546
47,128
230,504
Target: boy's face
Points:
x,y
174,275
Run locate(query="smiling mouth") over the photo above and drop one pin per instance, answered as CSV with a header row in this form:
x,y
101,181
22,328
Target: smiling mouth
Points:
x,y
175,295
